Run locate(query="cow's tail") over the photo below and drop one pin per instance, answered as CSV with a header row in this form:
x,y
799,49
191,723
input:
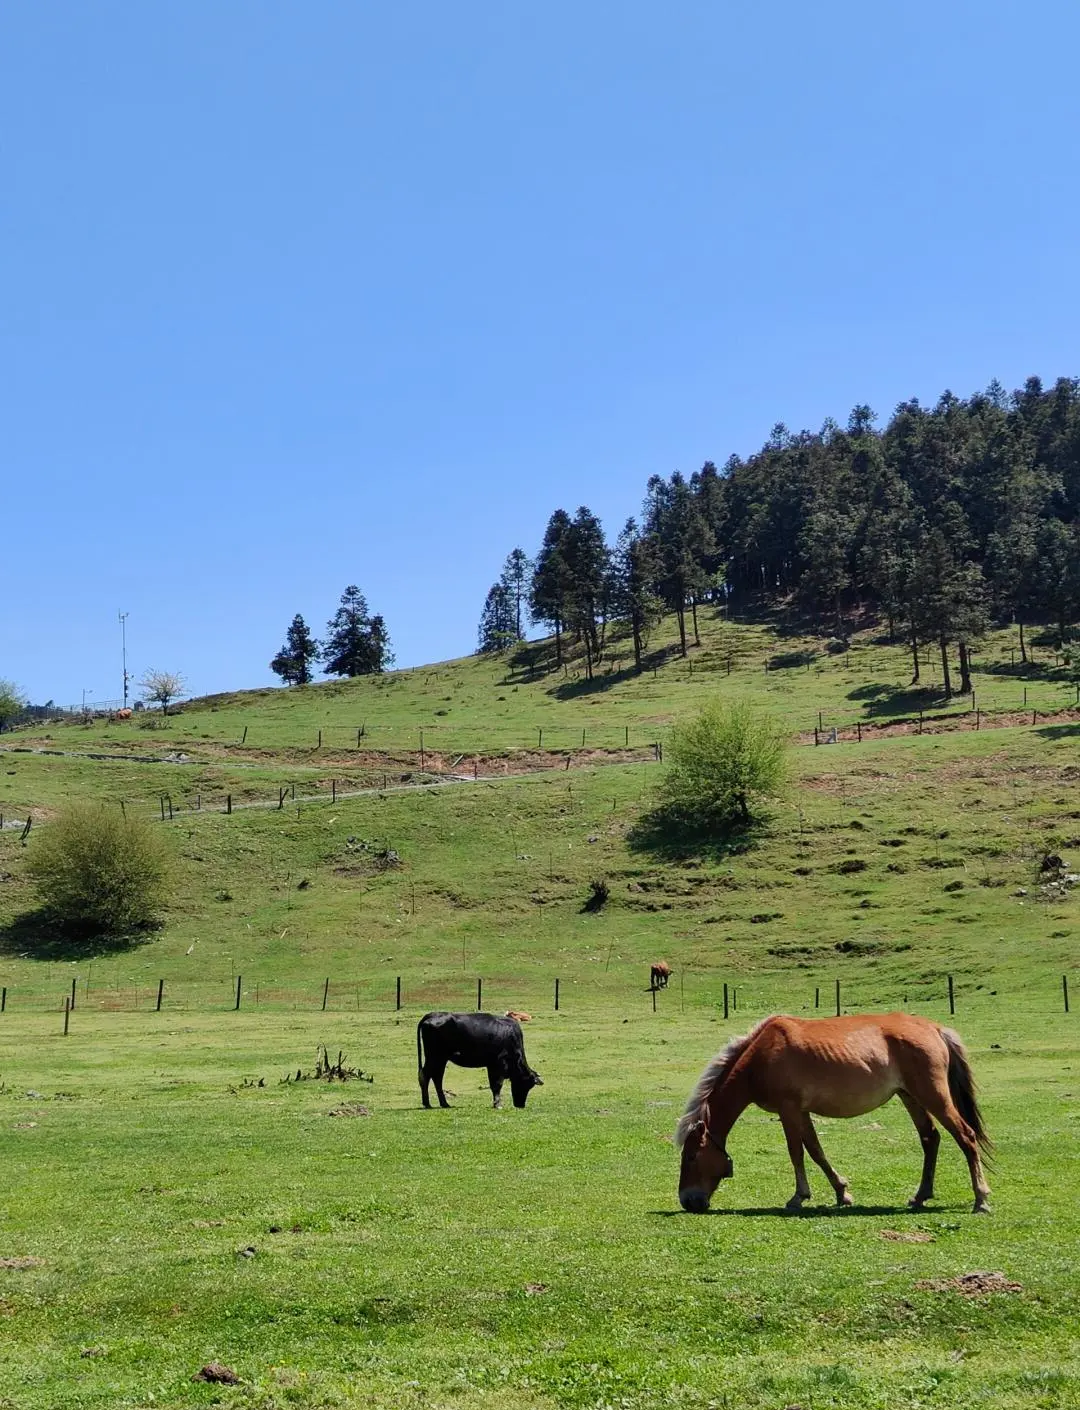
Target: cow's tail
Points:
x,y
962,1089
419,1053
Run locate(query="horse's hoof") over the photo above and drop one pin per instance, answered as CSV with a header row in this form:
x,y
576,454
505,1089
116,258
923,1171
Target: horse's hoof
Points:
x,y
981,1207
844,1199
794,1204
916,1203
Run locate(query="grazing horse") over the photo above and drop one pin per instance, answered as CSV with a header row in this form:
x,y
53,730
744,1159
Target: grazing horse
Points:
x,y
831,1067
661,973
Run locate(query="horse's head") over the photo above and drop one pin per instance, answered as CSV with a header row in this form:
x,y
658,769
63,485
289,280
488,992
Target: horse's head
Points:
x,y
704,1165
522,1083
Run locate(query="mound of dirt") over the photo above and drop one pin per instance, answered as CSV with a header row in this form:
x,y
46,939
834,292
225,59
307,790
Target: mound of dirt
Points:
x,y
971,1284
905,1236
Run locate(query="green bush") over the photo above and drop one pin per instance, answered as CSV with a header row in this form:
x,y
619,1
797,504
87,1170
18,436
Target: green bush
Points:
x,y
100,873
722,762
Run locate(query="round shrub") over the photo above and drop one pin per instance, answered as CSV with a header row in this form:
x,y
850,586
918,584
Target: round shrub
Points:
x,y
724,761
100,873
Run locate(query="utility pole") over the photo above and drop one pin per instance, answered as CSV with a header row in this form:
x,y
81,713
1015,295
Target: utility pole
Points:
x,y
123,616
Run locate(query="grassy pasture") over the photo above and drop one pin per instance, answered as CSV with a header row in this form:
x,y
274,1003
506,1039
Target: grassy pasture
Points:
x,y
534,1258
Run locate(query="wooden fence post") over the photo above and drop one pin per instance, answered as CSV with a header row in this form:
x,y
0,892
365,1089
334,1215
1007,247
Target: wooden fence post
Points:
x,y
1064,990
952,1004
160,993
73,982
243,737
228,803
325,993
3,999
239,981
725,1001
398,1002
556,995
479,993
838,998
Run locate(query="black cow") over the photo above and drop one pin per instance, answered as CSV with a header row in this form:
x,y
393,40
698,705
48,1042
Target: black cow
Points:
x,y
474,1040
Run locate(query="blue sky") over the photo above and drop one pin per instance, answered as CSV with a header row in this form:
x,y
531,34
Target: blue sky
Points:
x,y
296,296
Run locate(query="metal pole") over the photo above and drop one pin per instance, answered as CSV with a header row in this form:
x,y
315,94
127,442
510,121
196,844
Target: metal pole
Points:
x,y
123,651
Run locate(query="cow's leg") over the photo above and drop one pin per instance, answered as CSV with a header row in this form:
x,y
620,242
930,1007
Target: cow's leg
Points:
x,y
425,1078
818,1156
495,1082
437,1070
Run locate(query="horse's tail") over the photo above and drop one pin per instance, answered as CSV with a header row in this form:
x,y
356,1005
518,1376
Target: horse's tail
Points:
x,y
962,1088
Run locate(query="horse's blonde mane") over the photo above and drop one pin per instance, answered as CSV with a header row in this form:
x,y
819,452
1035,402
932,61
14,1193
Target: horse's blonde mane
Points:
x,y
715,1072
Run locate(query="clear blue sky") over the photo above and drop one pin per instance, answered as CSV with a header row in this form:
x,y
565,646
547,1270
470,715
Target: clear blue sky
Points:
x,y
299,295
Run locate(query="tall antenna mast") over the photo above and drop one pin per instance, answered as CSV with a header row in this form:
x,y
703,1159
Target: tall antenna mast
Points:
x,y
123,616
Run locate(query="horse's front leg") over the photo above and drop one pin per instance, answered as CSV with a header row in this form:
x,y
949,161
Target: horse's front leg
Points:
x,y
791,1118
817,1155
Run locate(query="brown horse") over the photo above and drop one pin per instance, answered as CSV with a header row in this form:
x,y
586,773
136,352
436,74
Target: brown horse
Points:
x,y
831,1067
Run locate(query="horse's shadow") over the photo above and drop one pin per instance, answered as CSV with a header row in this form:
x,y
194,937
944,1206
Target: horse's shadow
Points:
x,y
825,1211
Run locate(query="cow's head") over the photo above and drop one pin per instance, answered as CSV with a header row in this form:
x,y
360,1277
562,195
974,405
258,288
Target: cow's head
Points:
x,y
522,1082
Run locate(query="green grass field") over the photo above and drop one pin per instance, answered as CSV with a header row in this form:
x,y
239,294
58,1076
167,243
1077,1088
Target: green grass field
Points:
x,y
479,1258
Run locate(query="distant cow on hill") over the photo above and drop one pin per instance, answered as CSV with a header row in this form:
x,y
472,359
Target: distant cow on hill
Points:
x,y
661,973
121,714
474,1040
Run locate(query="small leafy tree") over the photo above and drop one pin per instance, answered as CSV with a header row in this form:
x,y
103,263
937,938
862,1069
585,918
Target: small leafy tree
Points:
x,y
100,873
162,687
724,761
294,661
12,701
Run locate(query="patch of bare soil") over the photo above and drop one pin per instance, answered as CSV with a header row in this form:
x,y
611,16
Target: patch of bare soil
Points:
x,y
349,1109
971,1284
905,1236
21,1263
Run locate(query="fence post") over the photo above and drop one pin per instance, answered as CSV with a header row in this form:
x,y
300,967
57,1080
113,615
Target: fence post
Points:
x,y
838,998
556,995
333,790
160,993
325,993
67,1014
161,800
583,739
479,993
243,737
1064,990
421,751
652,991
398,1003
540,739
952,1005
858,726
626,741
239,981
228,803
73,982
817,995
725,1001
3,999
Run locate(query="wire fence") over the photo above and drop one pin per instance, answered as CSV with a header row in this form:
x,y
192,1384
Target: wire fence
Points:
x,y
632,992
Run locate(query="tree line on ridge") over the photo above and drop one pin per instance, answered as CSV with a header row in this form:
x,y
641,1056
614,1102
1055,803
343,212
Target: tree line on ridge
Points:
x,y
944,520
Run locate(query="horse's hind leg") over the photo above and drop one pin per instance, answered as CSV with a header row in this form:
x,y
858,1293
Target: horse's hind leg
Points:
x,y
817,1155
930,1137
939,1103
791,1118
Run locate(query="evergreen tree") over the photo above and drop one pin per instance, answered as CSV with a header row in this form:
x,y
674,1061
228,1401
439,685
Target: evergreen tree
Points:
x,y
586,557
357,643
498,627
294,661
633,572
515,579
549,590
673,518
